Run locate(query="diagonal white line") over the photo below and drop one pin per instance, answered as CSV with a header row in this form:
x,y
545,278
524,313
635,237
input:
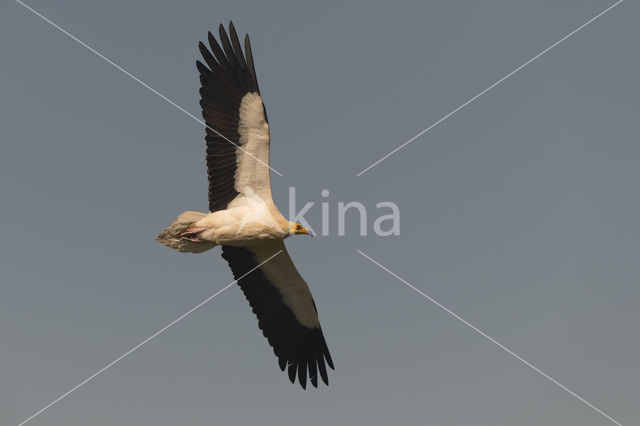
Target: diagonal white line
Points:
x,y
491,339
142,83
491,87
163,329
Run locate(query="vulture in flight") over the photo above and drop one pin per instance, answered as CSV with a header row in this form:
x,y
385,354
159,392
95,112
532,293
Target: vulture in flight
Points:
x,y
243,218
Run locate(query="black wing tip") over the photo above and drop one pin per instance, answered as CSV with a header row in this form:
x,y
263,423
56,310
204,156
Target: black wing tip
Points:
x,y
291,370
235,62
211,38
306,364
296,369
307,368
327,357
222,34
201,67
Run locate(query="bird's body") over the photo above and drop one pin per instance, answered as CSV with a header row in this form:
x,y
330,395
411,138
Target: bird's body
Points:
x,y
247,219
243,218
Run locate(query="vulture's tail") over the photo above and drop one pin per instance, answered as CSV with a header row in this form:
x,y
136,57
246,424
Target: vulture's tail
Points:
x,y
177,236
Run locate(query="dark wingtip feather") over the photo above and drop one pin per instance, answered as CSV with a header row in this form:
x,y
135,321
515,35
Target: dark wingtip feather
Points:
x,y
313,370
201,67
208,57
250,64
235,43
292,372
302,373
226,46
211,38
217,51
322,368
327,356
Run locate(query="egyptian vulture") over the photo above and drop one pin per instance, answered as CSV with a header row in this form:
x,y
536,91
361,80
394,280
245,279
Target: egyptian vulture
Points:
x,y
243,218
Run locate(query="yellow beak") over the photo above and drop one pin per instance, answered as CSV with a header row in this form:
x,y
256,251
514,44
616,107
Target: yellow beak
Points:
x,y
303,230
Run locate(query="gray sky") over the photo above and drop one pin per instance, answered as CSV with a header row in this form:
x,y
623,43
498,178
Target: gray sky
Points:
x,y
519,213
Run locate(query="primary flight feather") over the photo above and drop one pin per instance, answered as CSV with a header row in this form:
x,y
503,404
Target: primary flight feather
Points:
x,y
243,218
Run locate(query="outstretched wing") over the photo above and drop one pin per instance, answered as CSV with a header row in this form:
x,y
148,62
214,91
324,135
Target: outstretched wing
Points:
x,y
285,308
237,132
